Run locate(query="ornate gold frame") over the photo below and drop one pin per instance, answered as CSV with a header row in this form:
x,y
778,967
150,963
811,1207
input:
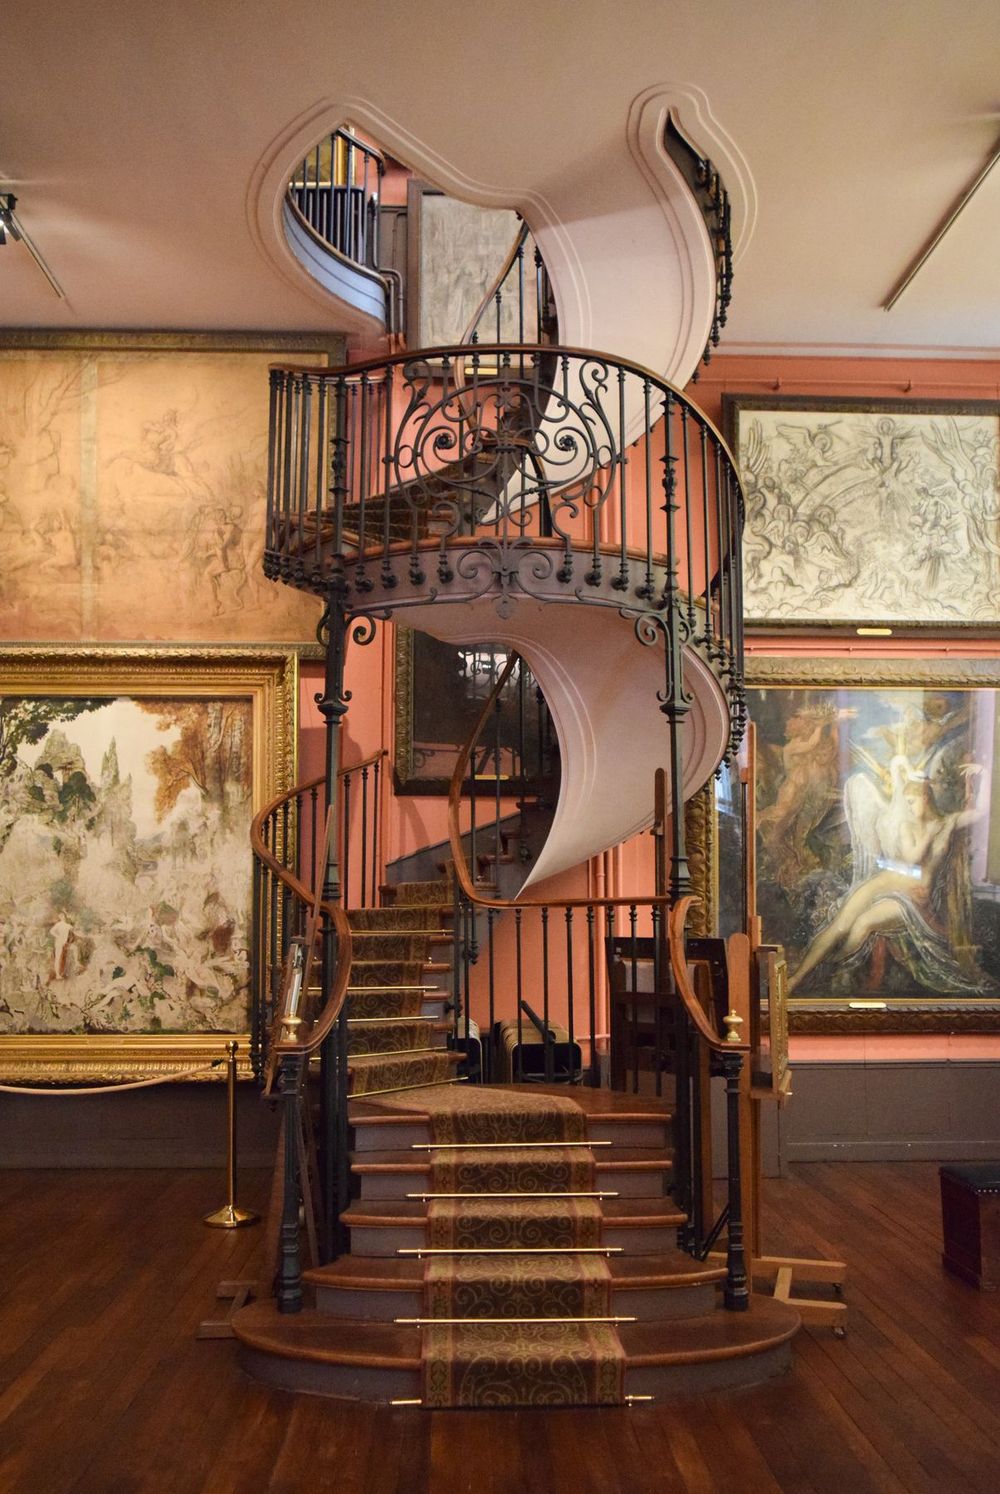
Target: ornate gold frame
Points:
x,y
269,677
811,1015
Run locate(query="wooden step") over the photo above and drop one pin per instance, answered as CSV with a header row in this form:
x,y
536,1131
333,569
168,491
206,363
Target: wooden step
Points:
x,y
380,1362
381,1289
632,1172
631,1121
631,1226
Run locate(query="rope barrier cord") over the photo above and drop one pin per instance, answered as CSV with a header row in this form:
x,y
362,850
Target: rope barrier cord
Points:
x,y
109,1089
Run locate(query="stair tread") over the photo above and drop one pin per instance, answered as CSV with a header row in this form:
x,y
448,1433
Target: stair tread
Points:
x,y
388,1273
617,1159
315,1336
716,1335
372,1060
597,1105
406,1212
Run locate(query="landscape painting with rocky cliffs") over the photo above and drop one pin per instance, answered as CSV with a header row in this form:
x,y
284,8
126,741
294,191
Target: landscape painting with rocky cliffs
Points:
x,y
125,867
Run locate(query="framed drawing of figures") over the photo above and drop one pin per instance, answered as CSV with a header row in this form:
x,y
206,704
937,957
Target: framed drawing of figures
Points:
x,y
878,840
133,471
128,782
878,514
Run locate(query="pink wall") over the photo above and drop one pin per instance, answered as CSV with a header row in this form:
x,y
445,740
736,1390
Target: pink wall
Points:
x,y
415,822
864,378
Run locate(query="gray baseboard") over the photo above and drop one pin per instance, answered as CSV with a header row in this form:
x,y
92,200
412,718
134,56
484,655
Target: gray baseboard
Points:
x,y
177,1125
892,1112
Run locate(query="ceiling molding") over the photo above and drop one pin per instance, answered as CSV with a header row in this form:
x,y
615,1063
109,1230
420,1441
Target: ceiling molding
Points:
x,y
693,113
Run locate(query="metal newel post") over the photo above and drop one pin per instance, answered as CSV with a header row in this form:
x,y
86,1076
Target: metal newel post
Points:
x,y
288,1283
736,1293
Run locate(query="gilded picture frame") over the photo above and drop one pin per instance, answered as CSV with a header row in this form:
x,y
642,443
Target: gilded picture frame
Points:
x,y
878,839
128,781
874,515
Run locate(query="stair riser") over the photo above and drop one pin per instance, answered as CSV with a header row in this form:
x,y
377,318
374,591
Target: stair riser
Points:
x,y
639,1184
651,1305
399,1135
372,1384
387,1239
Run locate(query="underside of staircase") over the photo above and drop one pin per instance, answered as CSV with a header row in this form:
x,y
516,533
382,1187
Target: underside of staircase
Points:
x,y
511,1245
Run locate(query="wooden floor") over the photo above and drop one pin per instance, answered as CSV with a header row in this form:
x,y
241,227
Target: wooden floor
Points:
x,y
103,1388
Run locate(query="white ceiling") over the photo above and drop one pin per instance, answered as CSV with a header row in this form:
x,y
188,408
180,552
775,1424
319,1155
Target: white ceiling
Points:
x,y
139,139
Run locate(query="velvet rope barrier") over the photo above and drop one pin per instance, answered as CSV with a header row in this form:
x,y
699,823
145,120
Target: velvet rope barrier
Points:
x,y
73,1092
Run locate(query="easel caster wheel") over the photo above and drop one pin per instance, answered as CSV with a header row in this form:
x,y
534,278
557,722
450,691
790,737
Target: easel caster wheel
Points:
x,y
840,1332
838,1288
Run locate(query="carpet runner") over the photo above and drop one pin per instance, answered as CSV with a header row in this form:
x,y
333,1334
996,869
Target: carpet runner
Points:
x,y
513,1297
546,1350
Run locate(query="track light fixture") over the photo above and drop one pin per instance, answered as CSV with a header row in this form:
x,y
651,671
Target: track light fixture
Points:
x,y
8,223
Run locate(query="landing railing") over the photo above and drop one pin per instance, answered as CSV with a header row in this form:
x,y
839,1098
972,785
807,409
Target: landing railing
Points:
x,y
337,190
706,186
600,990
547,473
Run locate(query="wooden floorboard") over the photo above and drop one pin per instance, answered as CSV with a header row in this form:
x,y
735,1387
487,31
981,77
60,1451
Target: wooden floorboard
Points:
x,y
105,1390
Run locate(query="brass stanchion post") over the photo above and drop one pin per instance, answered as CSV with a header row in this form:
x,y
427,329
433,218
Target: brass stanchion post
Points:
x,y
229,1216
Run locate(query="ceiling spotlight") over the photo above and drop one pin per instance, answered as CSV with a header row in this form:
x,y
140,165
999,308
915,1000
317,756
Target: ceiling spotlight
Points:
x,y
8,223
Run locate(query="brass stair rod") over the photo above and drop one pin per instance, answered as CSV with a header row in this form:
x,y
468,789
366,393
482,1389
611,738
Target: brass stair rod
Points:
x,y
230,1216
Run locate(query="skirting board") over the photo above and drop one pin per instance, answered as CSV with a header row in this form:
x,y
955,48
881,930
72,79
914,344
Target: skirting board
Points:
x,y
180,1125
892,1112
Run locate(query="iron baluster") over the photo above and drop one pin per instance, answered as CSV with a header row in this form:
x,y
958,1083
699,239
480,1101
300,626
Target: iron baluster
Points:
x,y
736,1293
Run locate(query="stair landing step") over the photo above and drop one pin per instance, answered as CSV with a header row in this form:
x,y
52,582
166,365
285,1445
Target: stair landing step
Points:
x,y
637,1272
614,1159
380,1362
621,1212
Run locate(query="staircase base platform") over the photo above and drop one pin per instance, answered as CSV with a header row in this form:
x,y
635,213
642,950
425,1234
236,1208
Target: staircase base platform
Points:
x,y
357,1361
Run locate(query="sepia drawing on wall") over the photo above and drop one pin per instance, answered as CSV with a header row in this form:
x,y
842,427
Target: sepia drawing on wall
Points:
x,y
887,513
132,498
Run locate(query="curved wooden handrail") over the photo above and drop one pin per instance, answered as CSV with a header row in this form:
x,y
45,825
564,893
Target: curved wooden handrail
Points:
x,y
326,1018
354,371
703,1024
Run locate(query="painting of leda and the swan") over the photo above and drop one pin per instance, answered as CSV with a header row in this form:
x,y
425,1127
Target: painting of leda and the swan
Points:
x,y
878,832
124,864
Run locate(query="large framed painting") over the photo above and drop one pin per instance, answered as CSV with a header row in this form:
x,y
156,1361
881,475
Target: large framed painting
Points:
x,y
128,781
884,514
133,472
878,840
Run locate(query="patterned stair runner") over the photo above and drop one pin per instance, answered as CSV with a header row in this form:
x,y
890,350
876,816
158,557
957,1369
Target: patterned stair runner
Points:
x,y
550,1347
390,1046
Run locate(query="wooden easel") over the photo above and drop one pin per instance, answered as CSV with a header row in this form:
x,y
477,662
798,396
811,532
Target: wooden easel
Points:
x,y
757,977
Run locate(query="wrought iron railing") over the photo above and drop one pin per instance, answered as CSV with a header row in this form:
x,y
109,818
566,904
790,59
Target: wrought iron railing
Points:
x,y
337,190
292,861
602,990
516,471
706,185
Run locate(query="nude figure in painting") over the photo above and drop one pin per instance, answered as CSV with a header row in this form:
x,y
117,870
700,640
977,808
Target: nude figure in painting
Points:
x,y
901,847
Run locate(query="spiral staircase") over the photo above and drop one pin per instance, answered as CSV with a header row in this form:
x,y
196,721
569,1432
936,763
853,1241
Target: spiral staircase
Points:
x,y
480,1233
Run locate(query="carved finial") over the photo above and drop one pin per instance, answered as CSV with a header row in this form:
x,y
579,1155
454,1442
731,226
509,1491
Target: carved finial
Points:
x,y
732,1023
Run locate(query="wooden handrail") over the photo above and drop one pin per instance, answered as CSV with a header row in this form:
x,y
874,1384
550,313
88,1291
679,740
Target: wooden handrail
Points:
x,y
678,963
498,280
318,906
